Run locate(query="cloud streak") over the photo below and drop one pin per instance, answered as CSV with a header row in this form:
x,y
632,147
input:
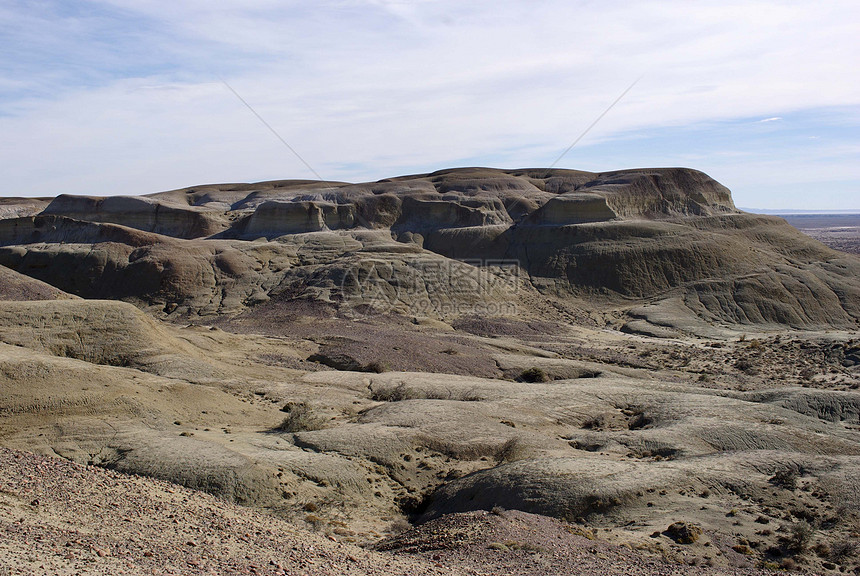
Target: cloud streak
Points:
x,y
116,96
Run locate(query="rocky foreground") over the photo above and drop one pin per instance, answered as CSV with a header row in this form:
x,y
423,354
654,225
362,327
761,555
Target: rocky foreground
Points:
x,y
60,518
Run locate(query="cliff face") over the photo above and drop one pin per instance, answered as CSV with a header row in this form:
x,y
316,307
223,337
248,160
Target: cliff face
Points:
x,y
140,213
635,234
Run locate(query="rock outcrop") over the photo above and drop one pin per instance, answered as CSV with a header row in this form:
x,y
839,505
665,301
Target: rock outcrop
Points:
x,y
138,212
668,237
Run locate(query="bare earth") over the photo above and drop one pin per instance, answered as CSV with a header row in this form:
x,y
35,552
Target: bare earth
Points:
x,y
838,231
57,517
474,371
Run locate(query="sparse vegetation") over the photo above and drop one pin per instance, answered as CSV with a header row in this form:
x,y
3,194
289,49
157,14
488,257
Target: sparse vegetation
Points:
x,y
844,549
534,375
746,366
846,495
470,396
397,393
684,533
512,450
595,422
300,418
399,525
315,521
638,420
800,535
807,374
376,366
785,478
402,392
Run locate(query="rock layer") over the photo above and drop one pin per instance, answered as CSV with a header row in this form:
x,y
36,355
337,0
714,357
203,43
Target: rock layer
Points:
x,y
669,237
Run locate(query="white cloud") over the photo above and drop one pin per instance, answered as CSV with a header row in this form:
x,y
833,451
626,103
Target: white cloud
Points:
x,y
369,88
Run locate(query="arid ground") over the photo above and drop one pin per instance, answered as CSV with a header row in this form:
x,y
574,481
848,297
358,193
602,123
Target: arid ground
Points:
x,y
474,371
838,231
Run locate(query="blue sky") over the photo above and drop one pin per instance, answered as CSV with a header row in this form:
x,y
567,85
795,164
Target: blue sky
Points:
x,y
124,97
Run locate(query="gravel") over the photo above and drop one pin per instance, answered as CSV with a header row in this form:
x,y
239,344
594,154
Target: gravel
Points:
x,y
57,517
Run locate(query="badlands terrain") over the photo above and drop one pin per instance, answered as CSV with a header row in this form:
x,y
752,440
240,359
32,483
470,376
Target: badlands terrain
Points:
x,y
474,371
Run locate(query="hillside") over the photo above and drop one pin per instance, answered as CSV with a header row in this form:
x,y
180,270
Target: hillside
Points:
x,y
482,358
668,237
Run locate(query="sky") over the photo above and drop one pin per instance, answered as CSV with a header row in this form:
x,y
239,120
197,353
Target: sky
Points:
x,y
110,97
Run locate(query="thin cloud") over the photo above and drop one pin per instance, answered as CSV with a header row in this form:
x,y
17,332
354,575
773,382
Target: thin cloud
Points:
x,y
366,89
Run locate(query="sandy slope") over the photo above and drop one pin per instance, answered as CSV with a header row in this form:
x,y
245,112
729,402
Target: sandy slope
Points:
x,y
624,436
61,518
